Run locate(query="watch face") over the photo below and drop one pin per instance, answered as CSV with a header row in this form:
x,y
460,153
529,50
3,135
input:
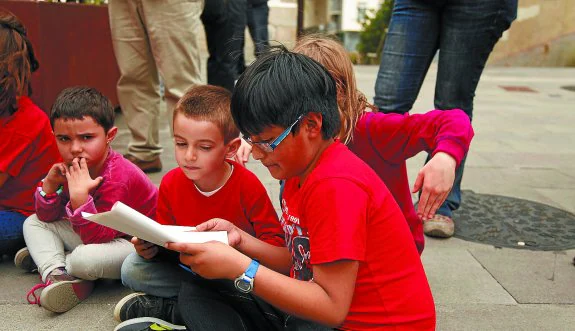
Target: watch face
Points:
x,y
243,286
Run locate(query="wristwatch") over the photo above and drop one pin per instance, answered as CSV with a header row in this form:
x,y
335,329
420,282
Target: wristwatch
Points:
x,y
245,282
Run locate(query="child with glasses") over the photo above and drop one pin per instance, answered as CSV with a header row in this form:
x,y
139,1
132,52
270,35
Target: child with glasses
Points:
x,y
353,263
206,185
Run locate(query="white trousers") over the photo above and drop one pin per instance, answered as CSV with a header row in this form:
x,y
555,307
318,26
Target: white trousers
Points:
x,y
55,245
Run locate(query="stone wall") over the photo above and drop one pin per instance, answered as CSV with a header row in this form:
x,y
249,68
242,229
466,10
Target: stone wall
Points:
x,y
542,35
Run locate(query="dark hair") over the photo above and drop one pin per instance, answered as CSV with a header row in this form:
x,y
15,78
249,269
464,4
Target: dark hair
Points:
x,y
280,86
209,103
17,62
77,102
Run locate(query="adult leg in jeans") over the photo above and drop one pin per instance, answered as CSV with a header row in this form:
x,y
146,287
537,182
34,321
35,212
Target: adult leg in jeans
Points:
x,y
156,277
11,236
411,43
468,34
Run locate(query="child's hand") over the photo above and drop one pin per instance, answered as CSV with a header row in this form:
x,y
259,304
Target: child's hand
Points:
x,y
243,154
436,178
145,249
218,224
79,182
56,177
212,260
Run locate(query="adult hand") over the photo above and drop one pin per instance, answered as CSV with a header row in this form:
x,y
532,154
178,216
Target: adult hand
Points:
x,y
243,154
145,249
435,181
212,260
218,224
56,177
79,182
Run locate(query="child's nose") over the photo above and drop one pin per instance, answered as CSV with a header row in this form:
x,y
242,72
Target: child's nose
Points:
x,y
76,147
191,154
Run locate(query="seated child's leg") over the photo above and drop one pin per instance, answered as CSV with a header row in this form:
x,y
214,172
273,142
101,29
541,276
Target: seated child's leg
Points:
x,y
217,305
96,261
47,243
11,237
155,277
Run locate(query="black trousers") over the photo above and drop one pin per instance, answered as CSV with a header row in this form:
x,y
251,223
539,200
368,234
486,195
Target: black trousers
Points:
x,y
224,22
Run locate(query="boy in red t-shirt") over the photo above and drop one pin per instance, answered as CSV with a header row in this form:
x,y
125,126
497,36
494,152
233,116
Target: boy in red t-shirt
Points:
x,y
206,185
27,145
354,265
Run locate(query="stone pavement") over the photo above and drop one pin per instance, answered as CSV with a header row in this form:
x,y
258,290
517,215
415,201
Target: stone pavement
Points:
x,y
524,147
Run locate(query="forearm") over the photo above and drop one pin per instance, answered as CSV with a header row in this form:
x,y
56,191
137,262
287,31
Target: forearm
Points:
x,y
48,210
89,232
305,299
276,258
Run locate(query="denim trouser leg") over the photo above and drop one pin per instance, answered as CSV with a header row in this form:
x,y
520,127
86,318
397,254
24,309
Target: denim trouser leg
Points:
x,y
11,236
465,32
411,43
157,278
258,26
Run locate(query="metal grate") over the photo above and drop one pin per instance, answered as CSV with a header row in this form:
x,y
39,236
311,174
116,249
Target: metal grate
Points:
x,y
511,222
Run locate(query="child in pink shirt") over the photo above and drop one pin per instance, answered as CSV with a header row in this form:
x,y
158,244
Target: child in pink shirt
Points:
x,y
386,141
70,251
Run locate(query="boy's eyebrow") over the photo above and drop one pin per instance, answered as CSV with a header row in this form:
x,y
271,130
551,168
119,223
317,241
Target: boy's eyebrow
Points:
x,y
201,140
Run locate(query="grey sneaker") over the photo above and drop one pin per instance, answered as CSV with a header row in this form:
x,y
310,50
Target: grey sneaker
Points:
x,y
23,260
439,226
144,305
147,323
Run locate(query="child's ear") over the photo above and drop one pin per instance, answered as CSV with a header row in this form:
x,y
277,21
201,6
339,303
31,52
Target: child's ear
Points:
x,y
312,123
232,147
111,134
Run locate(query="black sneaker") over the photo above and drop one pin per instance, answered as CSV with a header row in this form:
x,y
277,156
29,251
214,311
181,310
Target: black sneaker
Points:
x,y
144,305
23,260
147,323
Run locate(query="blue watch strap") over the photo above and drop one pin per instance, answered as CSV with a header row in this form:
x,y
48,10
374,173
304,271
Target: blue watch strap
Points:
x,y
252,269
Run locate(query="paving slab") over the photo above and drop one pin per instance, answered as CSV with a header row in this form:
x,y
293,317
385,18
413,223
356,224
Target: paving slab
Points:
x,y
474,317
456,277
529,276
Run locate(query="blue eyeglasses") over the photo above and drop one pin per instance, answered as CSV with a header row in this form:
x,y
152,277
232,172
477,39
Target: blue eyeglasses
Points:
x,y
270,147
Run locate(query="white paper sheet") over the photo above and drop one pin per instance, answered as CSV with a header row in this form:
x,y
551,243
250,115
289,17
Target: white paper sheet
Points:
x,y
129,221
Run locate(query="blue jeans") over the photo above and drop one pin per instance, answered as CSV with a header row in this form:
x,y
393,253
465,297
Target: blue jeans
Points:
x,y
11,236
464,32
155,277
217,305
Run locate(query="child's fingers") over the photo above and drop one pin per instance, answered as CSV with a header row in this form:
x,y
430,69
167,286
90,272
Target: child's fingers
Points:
x,y
185,248
83,164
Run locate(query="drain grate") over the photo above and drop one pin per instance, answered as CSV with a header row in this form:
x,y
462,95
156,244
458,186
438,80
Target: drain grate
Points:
x,y
511,222
510,88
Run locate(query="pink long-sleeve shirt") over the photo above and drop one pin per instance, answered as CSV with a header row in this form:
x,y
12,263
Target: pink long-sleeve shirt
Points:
x,y
123,181
385,141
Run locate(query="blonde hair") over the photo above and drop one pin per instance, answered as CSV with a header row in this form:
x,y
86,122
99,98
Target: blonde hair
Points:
x,y
331,54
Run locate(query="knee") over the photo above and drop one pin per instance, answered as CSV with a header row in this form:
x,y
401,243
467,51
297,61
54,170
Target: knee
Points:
x,y
82,267
134,271
30,223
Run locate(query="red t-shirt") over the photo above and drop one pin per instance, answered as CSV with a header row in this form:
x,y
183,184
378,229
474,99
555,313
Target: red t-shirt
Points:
x,y
27,152
343,211
242,200
385,141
